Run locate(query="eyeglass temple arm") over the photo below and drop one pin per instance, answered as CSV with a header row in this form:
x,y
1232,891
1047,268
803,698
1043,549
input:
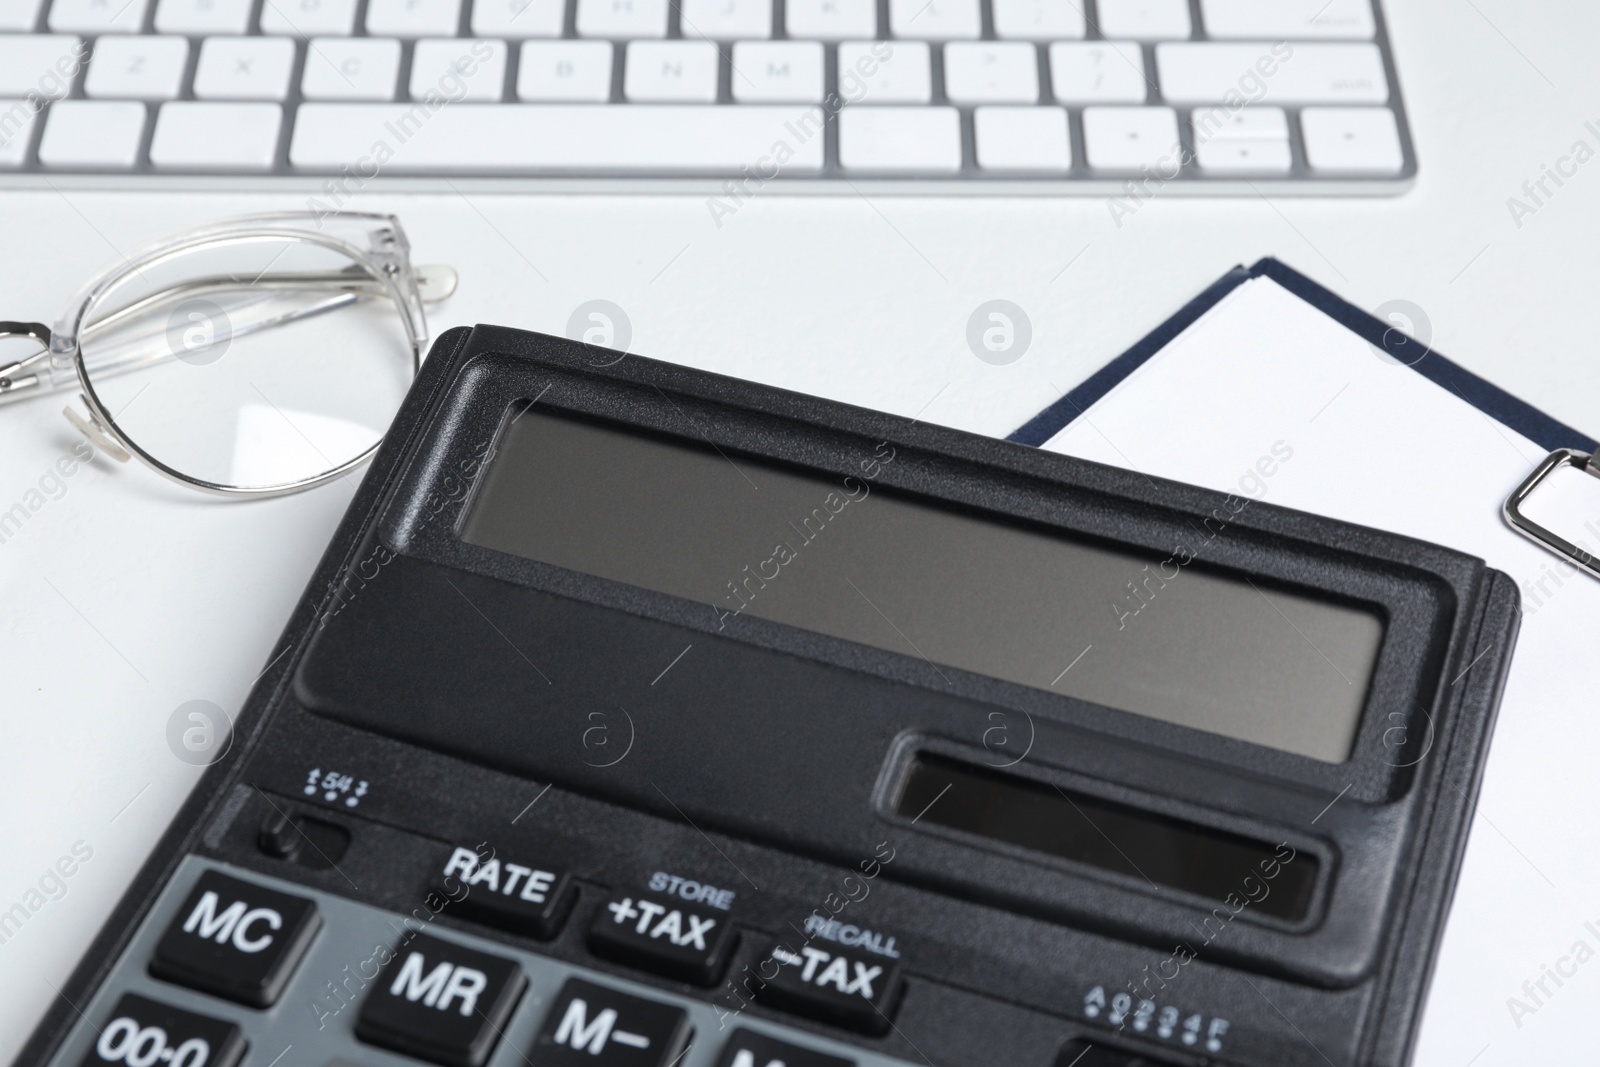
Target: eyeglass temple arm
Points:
x,y
37,374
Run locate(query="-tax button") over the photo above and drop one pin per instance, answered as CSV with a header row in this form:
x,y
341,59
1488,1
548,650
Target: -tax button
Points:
x,y
848,987
440,1001
592,1026
236,939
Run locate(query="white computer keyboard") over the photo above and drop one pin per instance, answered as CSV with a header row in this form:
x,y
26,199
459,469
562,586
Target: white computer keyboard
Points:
x,y
1132,97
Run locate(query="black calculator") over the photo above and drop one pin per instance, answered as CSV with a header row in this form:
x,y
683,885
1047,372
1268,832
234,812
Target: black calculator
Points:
x,y
641,717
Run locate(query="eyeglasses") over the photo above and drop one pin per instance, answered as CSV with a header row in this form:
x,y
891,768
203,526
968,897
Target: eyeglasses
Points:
x,y
253,357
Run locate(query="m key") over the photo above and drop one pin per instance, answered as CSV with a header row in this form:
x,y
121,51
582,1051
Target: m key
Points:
x,y
592,1026
746,1048
440,1001
236,939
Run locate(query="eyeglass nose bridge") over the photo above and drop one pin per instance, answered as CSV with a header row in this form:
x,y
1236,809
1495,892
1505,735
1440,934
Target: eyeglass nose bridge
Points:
x,y
92,428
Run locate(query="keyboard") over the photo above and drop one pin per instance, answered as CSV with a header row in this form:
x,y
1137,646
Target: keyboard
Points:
x,y
1124,98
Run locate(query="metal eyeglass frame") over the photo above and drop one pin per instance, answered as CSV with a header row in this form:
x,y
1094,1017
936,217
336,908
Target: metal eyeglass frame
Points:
x,y
386,271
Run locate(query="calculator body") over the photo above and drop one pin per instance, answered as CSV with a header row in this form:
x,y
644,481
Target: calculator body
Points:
x,y
510,791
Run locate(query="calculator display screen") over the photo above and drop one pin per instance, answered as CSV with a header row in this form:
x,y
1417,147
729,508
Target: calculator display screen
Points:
x,y
843,556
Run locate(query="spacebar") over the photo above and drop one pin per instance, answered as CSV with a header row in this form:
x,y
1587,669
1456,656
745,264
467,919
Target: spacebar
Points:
x,y
519,138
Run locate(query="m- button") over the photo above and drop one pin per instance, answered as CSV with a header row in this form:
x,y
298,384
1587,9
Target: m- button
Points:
x,y
236,939
440,1001
662,936
592,1026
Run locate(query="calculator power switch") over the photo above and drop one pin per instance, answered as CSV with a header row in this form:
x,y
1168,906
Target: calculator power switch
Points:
x,y
441,1002
847,987
235,939
689,943
147,1031
592,1026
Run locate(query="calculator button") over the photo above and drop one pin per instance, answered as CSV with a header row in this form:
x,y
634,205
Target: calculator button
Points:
x,y
746,1048
659,935
146,1031
236,939
594,1026
513,891
438,1001
853,989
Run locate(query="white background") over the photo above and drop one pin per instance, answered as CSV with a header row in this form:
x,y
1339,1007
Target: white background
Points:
x,y
124,599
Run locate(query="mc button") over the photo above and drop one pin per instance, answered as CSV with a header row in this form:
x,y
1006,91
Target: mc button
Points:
x,y
436,1000
657,935
848,988
236,939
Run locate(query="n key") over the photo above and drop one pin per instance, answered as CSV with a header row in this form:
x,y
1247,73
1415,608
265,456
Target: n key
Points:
x,y
236,939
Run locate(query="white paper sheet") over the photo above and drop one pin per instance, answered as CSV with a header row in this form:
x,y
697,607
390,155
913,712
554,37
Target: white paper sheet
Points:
x,y
1518,975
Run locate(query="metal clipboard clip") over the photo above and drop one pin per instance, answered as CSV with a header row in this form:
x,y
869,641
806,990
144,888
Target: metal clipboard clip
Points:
x,y
1512,509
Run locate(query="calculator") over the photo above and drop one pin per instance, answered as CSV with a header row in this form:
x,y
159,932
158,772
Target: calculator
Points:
x,y
638,716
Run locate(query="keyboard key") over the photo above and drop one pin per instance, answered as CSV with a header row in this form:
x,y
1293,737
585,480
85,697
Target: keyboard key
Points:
x,y
777,72
459,68
1351,140
16,131
1277,20
565,70
622,18
592,1026
185,1038
194,135
1131,139
413,18
137,68
1144,20
308,18
663,936
351,68
885,72
39,65
439,1001
831,20
682,71
727,20
233,938
1038,20
518,18
988,72
530,138
1242,141
92,134
900,139
244,68
512,890
19,14
97,16
847,987
1022,139
1097,72
935,20
746,1048
1279,73
197,18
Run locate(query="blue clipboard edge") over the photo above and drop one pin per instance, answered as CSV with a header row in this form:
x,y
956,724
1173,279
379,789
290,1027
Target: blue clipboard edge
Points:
x,y
1493,401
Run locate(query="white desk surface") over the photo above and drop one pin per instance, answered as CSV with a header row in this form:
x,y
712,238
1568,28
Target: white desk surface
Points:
x,y
125,598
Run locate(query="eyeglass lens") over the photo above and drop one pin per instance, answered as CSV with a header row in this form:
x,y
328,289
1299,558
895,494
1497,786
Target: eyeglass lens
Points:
x,y
250,364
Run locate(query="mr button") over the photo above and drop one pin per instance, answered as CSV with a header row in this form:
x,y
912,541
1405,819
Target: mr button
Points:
x,y
236,939
592,1026
854,990
657,936
436,1000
